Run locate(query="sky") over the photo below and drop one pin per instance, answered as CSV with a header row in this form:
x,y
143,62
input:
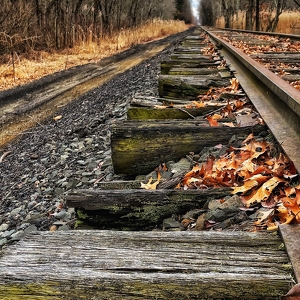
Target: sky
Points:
x,y
194,6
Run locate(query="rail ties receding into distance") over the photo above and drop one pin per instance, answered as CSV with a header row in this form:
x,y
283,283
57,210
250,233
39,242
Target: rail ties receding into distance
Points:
x,y
207,264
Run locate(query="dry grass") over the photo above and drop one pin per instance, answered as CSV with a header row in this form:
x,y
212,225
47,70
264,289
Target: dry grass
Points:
x,y
35,65
289,22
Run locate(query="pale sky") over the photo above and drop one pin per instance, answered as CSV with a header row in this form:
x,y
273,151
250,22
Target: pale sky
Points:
x,y
195,5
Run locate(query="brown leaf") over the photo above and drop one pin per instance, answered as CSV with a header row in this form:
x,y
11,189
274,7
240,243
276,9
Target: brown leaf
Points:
x,y
160,106
264,191
149,185
229,124
249,138
212,122
293,294
248,185
199,104
234,84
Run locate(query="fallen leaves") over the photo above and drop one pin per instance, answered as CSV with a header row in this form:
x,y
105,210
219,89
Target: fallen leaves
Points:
x,y
271,45
264,192
149,185
259,178
236,105
213,120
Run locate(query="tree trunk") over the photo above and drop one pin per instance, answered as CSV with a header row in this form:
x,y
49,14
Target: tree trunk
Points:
x,y
226,12
257,19
274,22
249,15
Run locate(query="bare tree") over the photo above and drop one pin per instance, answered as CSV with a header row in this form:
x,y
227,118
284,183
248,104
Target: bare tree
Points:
x,y
273,21
249,14
64,23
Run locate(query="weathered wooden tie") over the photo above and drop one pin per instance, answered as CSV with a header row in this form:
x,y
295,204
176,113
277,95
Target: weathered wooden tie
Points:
x,y
148,113
195,71
145,265
137,209
166,66
139,147
189,87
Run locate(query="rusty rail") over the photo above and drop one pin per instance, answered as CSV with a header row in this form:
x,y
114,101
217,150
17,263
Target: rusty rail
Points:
x,y
277,102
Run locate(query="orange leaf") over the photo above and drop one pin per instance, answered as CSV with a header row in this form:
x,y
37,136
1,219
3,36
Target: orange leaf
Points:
x,y
199,104
195,169
239,104
234,84
160,106
264,191
260,178
229,124
250,137
149,185
248,165
212,121
188,106
209,165
292,206
248,185
259,170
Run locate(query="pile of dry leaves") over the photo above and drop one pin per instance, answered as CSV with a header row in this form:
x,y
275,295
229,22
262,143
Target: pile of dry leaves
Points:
x,y
257,176
253,172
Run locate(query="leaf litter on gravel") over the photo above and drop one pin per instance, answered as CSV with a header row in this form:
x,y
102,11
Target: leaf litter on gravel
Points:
x,y
264,182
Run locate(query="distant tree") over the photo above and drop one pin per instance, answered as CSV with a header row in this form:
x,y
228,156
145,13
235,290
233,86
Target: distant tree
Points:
x,y
183,10
206,14
257,20
65,23
271,13
297,2
249,14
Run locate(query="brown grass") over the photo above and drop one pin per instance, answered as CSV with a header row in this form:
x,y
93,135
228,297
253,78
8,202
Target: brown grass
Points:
x,y
35,65
289,22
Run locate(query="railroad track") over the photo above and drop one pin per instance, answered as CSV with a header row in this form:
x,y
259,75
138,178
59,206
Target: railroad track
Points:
x,y
196,84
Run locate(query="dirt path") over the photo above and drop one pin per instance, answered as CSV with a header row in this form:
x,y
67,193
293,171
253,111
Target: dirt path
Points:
x,y
28,105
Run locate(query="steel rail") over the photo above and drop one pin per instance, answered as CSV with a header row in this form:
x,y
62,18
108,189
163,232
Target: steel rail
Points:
x,y
278,34
277,102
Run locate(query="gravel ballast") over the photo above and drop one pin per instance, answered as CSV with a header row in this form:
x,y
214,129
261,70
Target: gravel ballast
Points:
x,y
72,152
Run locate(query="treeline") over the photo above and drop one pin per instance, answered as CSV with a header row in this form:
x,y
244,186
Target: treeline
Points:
x,y
57,24
255,11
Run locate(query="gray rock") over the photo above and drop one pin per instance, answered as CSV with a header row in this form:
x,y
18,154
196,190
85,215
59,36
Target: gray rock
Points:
x,y
224,210
193,214
183,165
3,242
59,215
17,235
172,224
30,228
63,228
4,227
8,233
